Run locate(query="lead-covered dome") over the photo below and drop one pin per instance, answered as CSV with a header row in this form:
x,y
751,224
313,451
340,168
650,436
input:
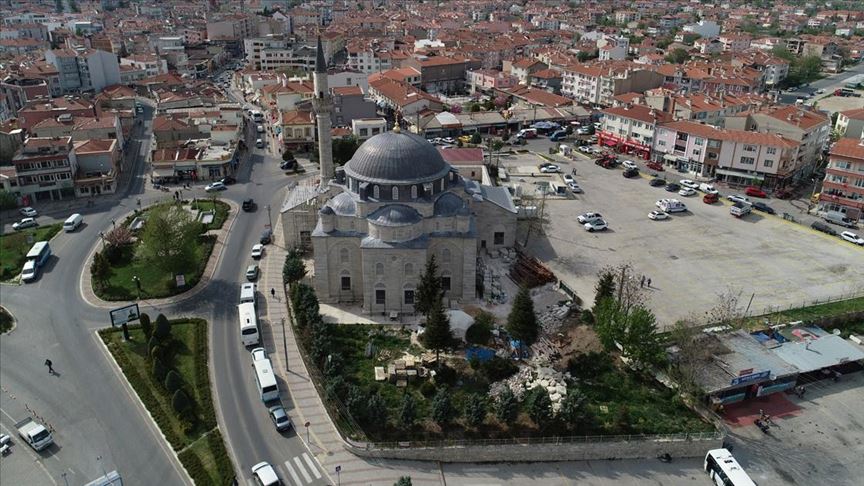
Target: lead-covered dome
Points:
x,y
395,157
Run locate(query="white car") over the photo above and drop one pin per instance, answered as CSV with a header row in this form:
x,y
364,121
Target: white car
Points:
x,y
574,187
259,354
568,179
586,149
738,198
584,218
449,140
658,215
215,186
595,225
852,238
264,474
549,169
24,224
257,251
687,191
689,183
29,212
629,164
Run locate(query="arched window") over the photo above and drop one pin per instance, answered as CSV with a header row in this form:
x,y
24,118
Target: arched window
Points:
x,y
343,255
376,192
395,193
445,255
409,269
413,192
379,269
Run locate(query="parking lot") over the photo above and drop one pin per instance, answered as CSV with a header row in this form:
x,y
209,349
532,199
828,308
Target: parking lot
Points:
x,y
691,257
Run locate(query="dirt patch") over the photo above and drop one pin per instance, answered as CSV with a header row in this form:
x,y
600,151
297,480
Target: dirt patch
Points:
x,y
576,340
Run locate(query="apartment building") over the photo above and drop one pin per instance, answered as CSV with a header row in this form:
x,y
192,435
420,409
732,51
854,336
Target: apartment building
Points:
x,y
734,42
599,83
297,129
106,126
688,146
402,97
45,168
98,166
364,128
149,63
37,110
843,187
613,48
703,28
440,74
232,27
704,108
523,68
84,69
279,52
489,79
630,129
850,123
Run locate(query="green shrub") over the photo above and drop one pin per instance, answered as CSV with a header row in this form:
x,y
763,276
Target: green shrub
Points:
x,y
481,331
163,328
173,382
180,401
428,389
445,375
159,370
442,408
193,465
498,368
475,410
146,325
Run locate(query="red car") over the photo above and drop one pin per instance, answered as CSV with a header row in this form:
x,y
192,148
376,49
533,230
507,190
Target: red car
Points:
x,y
755,192
655,166
710,198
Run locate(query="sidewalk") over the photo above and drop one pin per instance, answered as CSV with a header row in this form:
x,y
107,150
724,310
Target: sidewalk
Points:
x,y
302,400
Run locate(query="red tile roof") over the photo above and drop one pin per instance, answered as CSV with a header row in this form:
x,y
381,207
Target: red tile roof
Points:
x,y
640,112
849,147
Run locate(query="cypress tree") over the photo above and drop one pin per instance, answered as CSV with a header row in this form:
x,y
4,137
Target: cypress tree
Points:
x,y
438,334
522,322
429,288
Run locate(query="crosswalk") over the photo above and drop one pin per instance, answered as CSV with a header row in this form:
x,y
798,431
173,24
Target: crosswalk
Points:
x,y
305,468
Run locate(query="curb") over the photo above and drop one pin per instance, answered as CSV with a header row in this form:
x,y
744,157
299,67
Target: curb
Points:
x,y
85,284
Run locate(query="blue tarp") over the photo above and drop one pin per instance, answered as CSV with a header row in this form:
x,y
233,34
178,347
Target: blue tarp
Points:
x,y
481,354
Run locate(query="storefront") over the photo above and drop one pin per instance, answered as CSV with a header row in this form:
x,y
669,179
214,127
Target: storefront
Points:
x,y
624,146
736,178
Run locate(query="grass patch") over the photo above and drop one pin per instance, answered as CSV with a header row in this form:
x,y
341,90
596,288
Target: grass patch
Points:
x,y
222,210
202,450
809,313
14,248
154,283
5,320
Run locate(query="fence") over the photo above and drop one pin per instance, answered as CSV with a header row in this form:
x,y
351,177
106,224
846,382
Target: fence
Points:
x,y
776,309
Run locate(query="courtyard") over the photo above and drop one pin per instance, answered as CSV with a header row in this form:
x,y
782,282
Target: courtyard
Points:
x,y
691,257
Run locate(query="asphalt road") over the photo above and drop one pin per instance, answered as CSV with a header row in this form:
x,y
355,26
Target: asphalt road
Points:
x,y
829,84
98,425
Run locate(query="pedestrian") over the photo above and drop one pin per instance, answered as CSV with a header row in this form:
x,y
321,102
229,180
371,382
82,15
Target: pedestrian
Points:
x,y
50,366
649,283
272,292
642,281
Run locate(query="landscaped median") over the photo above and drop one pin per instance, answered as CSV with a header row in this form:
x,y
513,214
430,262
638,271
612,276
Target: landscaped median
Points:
x,y
166,364
146,262
14,248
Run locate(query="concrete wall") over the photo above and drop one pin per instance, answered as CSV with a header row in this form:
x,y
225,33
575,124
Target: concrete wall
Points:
x,y
549,452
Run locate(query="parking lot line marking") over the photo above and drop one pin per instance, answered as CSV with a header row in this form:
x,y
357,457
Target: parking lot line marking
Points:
x,y
292,473
302,470
311,465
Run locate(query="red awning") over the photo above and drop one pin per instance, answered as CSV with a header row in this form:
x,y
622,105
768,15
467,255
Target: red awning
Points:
x,y
610,143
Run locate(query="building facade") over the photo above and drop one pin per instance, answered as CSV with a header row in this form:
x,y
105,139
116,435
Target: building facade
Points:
x,y
843,187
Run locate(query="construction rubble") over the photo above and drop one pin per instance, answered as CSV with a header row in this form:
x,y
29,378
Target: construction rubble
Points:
x,y
527,271
554,382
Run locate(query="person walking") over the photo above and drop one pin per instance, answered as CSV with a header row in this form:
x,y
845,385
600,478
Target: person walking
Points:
x,y
649,283
642,281
50,366
272,292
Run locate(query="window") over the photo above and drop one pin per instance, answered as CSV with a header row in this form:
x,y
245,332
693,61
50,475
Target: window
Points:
x,y
346,283
380,296
379,269
445,256
697,153
343,255
395,193
376,192
445,283
499,237
661,143
699,141
749,148
409,297
771,150
409,269
413,192
768,163
747,160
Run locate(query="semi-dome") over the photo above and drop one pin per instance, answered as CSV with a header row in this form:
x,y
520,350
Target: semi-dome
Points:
x,y
395,157
448,204
395,215
343,205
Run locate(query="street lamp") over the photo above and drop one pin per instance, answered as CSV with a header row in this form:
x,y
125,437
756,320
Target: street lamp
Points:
x,y
102,237
339,475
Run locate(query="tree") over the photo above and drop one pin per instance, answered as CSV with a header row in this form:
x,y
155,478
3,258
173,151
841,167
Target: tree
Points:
x,y
506,406
169,241
572,409
403,481
408,411
118,236
501,102
539,406
691,357
7,200
438,334
146,326
162,332
159,370
356,402
476,139
608,323
475,410
100,269
605,286
783,53
293,270
522,322
808,68
727,311
442,409
428,289
344,148
173,382
678,56
180,401
376,410
475,107
481,331
640,340
287,155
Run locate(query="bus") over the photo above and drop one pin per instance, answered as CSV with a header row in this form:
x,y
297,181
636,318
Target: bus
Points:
x,y
722,467
39,253
248,324
268,390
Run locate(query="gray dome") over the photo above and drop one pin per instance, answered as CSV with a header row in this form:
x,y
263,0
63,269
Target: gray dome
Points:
x,y
343,204
392,157
395,215
448,204
326,210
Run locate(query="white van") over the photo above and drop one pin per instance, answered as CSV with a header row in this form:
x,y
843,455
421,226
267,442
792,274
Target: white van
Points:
x,y
259,143
671,205
260,128
257,116
247,293
265,380
708,188
248,324
836,217
72,223
29,272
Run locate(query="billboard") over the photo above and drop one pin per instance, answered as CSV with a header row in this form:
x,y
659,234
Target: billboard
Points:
x,y
123,315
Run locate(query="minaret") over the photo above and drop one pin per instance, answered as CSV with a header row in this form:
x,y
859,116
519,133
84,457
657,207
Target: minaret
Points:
x,y
323,105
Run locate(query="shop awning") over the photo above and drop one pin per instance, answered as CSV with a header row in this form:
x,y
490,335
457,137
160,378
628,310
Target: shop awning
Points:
x,y
743,175
670,158
163,172
610,143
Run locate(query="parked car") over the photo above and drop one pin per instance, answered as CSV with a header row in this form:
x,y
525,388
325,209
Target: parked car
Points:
x,y
449,140
739,198
708,188
658,215
629,164
465,139
755,192
24,224
689,183
549,169
280,418
266,237
655,166
820,226
629,173
595,225
672,187
215,186
586,149
657,182
257,251
852,238
687,191
227,180
710,198
574,188
248,204
264,474
252,273
586,217
760,206
29,212
288,164
569,179
836,217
